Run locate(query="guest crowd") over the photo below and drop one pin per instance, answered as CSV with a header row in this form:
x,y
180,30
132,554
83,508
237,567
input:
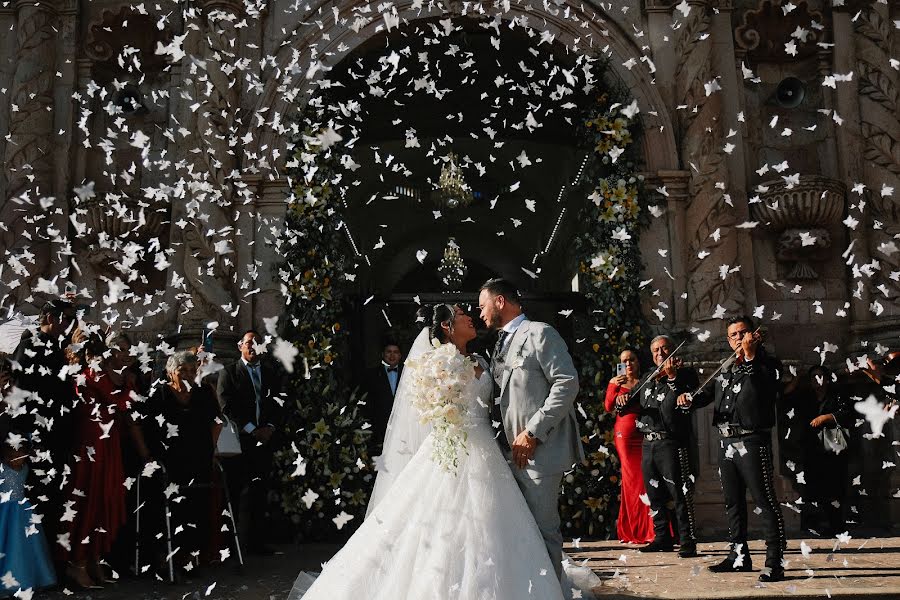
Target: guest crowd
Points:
x,y
109,467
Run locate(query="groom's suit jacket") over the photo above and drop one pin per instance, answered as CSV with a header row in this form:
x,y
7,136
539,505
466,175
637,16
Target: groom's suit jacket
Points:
x,y
538,385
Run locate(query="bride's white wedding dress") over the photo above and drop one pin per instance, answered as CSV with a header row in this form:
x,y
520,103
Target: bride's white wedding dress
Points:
x,y
434,534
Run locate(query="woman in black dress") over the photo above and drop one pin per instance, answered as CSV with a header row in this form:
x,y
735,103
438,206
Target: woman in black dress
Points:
x,y
819,407
186,418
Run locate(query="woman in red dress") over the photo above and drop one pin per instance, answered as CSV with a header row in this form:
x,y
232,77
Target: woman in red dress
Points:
x,y
95,492
634,525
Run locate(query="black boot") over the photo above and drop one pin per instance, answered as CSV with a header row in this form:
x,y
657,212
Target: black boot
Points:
x,y
773,571
728,565
658,545
688,550
772,574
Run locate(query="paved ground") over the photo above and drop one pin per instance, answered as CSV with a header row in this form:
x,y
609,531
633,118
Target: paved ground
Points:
x,y
861,568
867,567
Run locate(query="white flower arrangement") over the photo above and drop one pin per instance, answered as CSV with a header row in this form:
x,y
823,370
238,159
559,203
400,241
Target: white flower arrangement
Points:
x,y
439,379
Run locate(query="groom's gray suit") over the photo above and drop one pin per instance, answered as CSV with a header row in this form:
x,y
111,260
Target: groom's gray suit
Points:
x,y
538,385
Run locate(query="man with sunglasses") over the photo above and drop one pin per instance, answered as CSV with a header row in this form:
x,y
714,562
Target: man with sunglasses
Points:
x,y
744,394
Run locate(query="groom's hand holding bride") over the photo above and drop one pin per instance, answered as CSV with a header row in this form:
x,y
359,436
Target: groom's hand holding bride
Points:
x,y
523,448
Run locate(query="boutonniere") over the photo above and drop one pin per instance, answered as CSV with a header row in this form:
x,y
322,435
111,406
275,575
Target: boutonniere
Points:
x,y
517,362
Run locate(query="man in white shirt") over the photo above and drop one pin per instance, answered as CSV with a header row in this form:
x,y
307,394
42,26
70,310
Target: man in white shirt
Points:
x,y
247,390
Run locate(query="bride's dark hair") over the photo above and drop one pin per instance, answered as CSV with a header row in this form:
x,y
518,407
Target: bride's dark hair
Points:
x,y
432,316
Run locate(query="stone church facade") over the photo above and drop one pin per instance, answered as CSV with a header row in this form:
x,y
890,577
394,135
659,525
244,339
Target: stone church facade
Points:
x,y
176,195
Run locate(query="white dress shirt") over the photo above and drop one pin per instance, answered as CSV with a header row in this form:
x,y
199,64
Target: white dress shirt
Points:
x,y
510,329
393,376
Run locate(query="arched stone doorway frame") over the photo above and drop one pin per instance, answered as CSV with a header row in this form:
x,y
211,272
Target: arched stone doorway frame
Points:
x,y
333,41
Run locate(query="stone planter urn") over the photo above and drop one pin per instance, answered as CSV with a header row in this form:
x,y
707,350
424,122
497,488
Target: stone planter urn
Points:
x,y
801,216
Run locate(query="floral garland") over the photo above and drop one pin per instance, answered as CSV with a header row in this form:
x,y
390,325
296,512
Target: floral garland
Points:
x,y
326,472
609,269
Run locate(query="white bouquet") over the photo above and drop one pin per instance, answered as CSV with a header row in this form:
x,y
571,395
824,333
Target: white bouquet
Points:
x,y
439,379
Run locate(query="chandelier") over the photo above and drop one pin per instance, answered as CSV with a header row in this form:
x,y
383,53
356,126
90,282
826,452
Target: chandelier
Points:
x,y
453,191
452,269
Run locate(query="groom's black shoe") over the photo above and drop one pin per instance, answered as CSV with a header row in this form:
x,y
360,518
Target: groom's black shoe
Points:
x,y
659,546
727,565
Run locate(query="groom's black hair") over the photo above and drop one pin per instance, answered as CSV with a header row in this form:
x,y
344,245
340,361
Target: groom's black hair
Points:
x,y
502,287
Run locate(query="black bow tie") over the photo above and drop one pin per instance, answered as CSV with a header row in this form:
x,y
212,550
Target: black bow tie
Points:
x,y
392,369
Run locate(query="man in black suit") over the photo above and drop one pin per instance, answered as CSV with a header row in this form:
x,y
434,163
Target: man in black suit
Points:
x,y
250,390
381,385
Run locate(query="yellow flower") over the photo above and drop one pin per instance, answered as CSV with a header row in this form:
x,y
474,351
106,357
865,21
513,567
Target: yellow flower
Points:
x,y
594,503
598,458
321,428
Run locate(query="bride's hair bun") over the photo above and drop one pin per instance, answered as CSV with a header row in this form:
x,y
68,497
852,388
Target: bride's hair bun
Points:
x,y
432,316
425,315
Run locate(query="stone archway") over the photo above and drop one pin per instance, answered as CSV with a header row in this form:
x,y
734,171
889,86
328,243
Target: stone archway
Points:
x,y
574,24
557,143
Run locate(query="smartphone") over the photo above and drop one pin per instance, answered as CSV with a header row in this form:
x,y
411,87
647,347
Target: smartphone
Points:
x,y
620,369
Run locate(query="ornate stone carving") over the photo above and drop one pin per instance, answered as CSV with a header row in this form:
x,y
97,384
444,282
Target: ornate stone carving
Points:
x,y
209,273
28,158
707,213
127,219
873,26
879,86
802,215
765,31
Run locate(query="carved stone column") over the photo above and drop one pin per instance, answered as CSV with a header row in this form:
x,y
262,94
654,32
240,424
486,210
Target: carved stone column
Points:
x,y
659,24
850,158
677,184
724,66
211,259
28,162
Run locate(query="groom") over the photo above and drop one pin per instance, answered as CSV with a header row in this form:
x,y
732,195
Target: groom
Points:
x,y
535,409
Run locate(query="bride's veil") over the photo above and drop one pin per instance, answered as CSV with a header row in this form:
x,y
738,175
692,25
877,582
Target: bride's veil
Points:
x,y
404,432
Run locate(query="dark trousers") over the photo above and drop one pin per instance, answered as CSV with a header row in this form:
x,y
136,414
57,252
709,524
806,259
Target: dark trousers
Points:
x,y
745,463
824,495
252,470
665,463
190,522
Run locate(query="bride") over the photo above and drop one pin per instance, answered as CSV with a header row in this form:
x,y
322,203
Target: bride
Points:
x,y
436,533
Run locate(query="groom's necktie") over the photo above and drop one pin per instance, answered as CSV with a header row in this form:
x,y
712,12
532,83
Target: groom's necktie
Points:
x,y
496,413
498,348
